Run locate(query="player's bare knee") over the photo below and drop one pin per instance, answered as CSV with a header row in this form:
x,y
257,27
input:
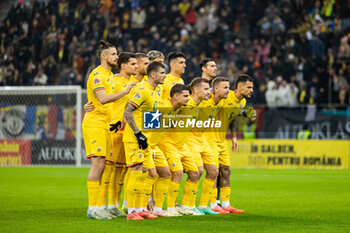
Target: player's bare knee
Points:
x,y
200,170
193,176
212,171
98,163
177,176
163,172
152,173
225,171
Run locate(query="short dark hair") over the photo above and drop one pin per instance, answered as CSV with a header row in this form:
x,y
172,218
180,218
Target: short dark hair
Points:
x,y
178,88
124,58
243,78
204,62
154,67
103,45
219,80
197,81
140,55
175,55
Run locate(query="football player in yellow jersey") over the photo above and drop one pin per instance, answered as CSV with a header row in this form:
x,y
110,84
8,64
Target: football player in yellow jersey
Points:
x,y
100,92
142,63
233,106
177,63
142,99
199,146
179,156
208,68
155,55
128,66
168,108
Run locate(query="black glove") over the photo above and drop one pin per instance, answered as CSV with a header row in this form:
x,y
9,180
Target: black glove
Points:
x,y
115,126
142,140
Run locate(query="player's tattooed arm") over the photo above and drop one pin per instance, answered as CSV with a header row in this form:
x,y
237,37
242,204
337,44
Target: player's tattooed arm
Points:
x,y
129,117
233,128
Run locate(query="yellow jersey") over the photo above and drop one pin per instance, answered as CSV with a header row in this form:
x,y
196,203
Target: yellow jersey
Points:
x,y
230,110
168,114
143,98
99,79
132,78
120,84
176,135
169,81
207,111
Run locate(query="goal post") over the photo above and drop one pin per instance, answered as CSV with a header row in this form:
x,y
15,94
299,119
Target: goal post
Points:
x,y
41,125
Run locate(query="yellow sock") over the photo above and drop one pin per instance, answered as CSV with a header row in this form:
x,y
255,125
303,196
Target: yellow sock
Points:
x,y
190,192
173,190
127,177
213,195
140,195
225,193
121,171
208,186
148,188
103,190
160,191
133,187
93,187
112,188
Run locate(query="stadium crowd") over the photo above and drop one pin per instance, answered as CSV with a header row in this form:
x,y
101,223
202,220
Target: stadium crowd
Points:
x,y
298,51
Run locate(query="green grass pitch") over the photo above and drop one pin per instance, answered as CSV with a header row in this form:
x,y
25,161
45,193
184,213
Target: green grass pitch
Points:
x,y
53,199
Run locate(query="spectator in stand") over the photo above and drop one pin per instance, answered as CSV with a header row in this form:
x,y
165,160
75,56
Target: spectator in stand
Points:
x,y
61,36
271,94
40,78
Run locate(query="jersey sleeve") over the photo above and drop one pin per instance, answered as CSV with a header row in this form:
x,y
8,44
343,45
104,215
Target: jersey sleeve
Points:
x,y
137,97
97,83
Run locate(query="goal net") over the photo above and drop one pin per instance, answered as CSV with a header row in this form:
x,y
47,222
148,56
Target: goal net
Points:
x,y
41,125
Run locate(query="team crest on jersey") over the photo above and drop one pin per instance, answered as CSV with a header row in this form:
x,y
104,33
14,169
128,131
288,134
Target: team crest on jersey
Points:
x,y
140,155
97,81
137,96
173,164
99,149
